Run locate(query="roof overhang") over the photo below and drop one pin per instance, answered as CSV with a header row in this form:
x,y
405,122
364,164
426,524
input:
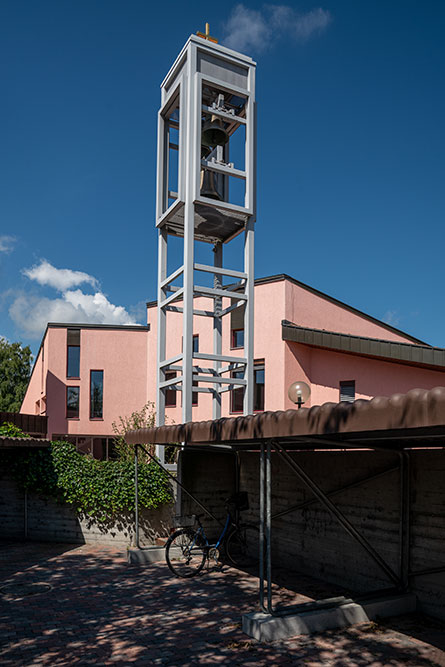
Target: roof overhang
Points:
x,y
402,420
393,351
24,443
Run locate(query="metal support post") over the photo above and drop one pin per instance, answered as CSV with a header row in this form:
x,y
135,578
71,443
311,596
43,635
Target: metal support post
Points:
x,y
136,498
261,554
269,528
405,474
217,328
249,315
161,342
187,332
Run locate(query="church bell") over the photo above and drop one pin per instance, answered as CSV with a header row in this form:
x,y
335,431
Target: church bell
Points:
x,y
209,183
213,133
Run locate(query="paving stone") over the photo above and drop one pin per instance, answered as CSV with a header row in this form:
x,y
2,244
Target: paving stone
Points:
x,y
101,611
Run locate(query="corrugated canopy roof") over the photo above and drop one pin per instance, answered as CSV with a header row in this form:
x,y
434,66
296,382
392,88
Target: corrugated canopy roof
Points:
x,y
420,412
23,443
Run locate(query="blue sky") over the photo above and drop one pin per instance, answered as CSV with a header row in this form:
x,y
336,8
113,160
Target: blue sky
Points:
x,y
351,146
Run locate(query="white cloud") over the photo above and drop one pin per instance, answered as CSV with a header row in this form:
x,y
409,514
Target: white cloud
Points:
x,y
391,317
32,312
256,30
61,279
6,243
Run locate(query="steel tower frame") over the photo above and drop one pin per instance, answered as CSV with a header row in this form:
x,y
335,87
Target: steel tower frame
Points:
x,y
203,83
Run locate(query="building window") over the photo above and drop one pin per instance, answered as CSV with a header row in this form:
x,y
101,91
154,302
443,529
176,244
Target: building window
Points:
x,y
237,338
194,394
347,391
96,394
72,402
258,387
237,393
170,394
73,353
195,343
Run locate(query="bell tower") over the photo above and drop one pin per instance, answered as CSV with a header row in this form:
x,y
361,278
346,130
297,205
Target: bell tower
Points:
x,y
205,195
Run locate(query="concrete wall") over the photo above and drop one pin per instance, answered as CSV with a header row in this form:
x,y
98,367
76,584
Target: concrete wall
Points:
x,y
312,542
50,521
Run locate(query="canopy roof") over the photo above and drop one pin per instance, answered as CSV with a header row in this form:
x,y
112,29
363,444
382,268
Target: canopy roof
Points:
x,y
23,443
417,417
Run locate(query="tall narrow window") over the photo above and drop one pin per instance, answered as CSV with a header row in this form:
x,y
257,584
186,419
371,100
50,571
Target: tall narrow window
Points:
x,y
194,393
170,394
258,388
96,394
73,353
237,394
72,402
347,391
237,326
195,342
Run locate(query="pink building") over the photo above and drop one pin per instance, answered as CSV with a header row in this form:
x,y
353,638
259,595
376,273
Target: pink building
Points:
x,y
86,376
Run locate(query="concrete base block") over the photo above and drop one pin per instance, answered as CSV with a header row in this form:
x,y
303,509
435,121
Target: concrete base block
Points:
x,y
146,555
266,628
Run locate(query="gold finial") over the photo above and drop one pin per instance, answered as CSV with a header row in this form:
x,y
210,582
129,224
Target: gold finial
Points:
x,y
206,35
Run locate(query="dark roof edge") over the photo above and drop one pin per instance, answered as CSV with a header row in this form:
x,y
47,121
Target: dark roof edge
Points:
x,y
376,348
76,325
283,276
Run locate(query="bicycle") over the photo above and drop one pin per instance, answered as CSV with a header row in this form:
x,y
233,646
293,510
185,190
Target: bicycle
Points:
x,y
188,548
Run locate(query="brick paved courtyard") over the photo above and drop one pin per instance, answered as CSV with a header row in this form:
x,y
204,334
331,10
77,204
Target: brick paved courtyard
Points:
x,y
99,610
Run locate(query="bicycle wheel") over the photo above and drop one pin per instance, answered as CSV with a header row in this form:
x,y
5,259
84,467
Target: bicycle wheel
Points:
x,y
184,552
242,546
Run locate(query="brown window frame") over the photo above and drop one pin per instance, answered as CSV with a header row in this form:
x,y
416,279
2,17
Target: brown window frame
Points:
x,y
232,339
169,375
78,402
101,418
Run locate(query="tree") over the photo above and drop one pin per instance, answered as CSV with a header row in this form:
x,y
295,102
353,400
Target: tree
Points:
x,y
144,418
15,371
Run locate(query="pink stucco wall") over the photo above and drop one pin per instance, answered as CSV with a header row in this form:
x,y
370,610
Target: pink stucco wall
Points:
x,y
128,359
307,309
269,309
284,362
122,355
324,370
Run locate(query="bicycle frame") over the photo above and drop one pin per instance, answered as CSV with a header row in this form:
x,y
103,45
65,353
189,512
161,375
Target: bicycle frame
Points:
x,y
201,532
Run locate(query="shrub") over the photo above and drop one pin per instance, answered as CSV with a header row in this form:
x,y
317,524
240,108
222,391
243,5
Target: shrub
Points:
x,y
98,489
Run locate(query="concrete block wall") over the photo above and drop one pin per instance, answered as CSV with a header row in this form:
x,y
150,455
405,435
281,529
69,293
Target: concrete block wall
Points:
x,y
312,542
48,520
211,477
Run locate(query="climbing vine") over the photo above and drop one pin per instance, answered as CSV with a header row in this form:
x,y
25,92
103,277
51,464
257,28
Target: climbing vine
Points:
x,y
98,489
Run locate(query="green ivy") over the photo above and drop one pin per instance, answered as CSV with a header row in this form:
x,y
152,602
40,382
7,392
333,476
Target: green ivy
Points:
x,y
10,430
98,489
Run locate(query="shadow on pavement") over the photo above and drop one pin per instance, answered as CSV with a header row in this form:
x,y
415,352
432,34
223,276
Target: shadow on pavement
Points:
x,y
101,610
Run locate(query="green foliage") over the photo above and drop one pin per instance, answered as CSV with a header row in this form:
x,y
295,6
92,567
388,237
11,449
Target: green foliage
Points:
x,y
9,430
15,371
98,489
144,418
